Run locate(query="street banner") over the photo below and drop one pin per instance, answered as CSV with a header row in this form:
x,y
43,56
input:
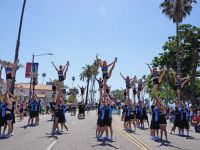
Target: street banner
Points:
x,y
28,69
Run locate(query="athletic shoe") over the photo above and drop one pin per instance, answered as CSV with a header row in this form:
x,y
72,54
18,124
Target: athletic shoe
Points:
x,y
67,132
106,137
111,139
153,138
7,135
158,138
53,132
100,138
12,134
62,130
130,129
126,129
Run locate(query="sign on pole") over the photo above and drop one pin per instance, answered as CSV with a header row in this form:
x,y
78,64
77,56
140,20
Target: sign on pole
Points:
x,y
28,69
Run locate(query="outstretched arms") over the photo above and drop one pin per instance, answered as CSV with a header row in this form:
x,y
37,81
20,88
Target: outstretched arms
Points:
x,y
122,76
54,66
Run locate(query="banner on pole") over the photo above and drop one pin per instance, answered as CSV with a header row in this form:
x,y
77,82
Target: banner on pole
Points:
x,y
28,69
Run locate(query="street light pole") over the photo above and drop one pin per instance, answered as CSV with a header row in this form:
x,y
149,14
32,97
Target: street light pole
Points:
x,y
31,78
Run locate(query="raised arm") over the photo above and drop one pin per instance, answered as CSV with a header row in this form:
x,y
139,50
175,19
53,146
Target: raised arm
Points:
x,y
8,100
14,66
99,62
97,79
66,66
150,69
184,78
132,79
122,76
54,66
50,80
3,64
110,102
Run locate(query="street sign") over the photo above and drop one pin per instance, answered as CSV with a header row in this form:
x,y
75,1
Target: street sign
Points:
x,y
28,69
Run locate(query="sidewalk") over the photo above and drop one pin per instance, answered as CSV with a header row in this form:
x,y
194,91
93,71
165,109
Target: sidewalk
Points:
x,y
175,141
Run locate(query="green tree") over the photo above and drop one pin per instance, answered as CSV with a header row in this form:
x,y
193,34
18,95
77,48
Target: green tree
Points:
x,y
73,91
43,76
71,99
95,67
87,73
118,94
190,58
177,10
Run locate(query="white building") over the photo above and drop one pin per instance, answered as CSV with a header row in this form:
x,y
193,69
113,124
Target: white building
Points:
x,y
43,92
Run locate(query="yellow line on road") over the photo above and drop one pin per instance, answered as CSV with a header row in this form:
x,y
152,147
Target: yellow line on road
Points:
x,y
127,137
132,139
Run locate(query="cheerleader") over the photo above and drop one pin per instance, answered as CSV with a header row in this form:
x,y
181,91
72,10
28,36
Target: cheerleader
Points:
x,y
157,77
154,126
184,119
62,71
106,74
162,121
10,72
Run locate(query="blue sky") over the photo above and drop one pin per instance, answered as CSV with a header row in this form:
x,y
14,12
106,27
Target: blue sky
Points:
x,y
75,30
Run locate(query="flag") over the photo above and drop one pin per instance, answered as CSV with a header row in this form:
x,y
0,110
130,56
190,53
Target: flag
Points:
x,y
28,69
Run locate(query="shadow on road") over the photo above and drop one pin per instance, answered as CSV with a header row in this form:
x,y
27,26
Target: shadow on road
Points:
x,y
3,138
50,135
167,144
187,137
49,120
104,143
25,126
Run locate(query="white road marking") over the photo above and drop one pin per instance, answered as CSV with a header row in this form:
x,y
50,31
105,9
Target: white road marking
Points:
x,y
51,145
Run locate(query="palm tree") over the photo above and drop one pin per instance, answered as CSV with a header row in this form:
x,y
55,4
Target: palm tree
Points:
x,y
87,75
1,68
18,43
177,10
95,67
43,75
73,79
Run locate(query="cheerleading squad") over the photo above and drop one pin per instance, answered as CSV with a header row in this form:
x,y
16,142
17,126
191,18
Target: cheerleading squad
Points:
x,y
134,113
